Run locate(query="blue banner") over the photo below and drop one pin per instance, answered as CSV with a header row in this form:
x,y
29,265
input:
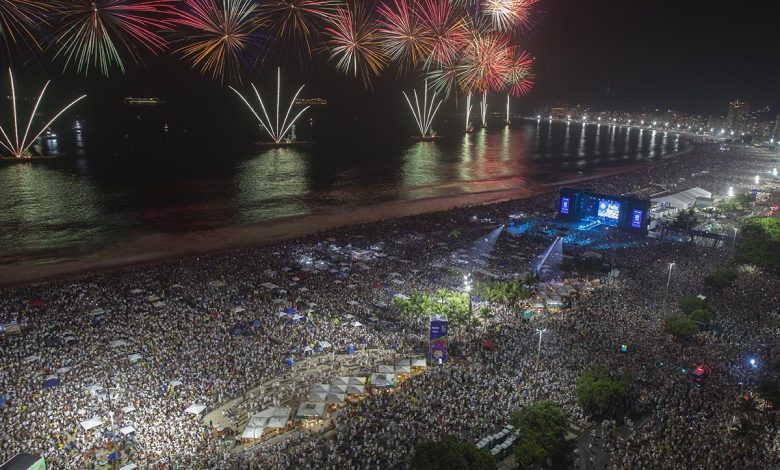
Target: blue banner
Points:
x,y
437,346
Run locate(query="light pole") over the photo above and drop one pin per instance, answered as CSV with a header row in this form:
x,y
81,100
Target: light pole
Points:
x,y
467,288
668,281
539,350
734,243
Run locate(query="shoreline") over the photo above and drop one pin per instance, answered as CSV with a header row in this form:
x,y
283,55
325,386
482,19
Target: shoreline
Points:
x,y
159,248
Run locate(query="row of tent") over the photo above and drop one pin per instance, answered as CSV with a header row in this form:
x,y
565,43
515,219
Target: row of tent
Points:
x,y
500,444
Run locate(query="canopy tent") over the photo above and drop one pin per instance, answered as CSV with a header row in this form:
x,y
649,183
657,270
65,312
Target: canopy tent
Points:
x,y
311,410
683,199
94,389
195,409
403,369
276,422
336,397
324,345
385,369
238,309
135,358
91,423
340,381
175,383
135,291
403,362
357,381
338,389
383,380
128,409
419,362
318,397
69,339
275,412
130,466
356,389
118,343
356,324
158,304
253,432
216,283
127,430
63,370
32,358
320,388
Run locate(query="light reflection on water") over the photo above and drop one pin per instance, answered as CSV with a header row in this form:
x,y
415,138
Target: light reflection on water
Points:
x,y
52,210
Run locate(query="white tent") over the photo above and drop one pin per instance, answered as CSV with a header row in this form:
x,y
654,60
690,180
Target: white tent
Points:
x,y
682,200
320,388
195,409
353,302
274,412
276,422
159,304
91,423
336,397
356,324
318,397
127,430
402,369
383,380
403,362
269,285
130,466
216,283
357,381
311,410
253,432
339,389
355,389
419,362
118,343
340,381
94,389
238,309
175,383
63,370
135,291
134,358
384,369
128,409
324,344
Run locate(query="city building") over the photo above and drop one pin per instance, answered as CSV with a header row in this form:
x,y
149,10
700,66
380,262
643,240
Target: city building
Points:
x,y
737,117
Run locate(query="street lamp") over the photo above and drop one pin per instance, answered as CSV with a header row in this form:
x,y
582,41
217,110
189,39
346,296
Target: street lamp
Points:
x,y
539,350
731,191
467,288
668,281
734,243
757,179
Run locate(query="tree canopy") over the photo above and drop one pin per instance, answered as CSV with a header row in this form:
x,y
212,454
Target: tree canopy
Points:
x,y
681,327
600,393
449,453
720,278
542,429
760,244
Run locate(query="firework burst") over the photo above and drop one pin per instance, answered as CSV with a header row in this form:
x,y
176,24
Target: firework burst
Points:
x,y
93,32
355,43
20,22
403,36
276,130
485,63
220,36
519,79
448,30
509,15
296,20
18,146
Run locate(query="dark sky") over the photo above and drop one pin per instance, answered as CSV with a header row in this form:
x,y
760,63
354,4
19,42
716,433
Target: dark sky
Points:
x,y
688,55
692,55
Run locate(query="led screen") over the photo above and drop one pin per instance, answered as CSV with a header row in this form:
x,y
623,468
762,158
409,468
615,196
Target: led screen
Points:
x,y
636,219
564,205
609,211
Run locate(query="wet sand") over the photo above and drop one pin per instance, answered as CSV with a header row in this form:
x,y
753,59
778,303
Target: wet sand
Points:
x,y
153,249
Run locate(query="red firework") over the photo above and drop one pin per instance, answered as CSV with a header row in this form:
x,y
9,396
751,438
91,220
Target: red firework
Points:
x,y
404,38
296,20
485,63
519,79
448,30
355,43
508,15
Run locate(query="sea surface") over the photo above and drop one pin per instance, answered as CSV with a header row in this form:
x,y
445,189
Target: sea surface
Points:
x,y
93,198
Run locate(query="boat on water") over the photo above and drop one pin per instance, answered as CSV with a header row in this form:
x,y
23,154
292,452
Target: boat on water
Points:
x,y
427,138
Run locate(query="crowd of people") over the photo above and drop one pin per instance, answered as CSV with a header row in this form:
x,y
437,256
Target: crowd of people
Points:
x,y
209,329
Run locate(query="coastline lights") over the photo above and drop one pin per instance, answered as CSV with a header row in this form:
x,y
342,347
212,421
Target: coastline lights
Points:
x,y
17,147
275,130
424,115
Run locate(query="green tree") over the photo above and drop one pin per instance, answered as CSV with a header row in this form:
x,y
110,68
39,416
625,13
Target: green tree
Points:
x,y
689,303
450,453
701,316
542,429
760,243
681,327
720,278
600,393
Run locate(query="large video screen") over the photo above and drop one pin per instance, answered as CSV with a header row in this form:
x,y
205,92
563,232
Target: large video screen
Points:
x,y
564,205
608,212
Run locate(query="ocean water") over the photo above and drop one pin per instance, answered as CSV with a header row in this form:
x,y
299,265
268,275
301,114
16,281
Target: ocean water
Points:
x,y
93,198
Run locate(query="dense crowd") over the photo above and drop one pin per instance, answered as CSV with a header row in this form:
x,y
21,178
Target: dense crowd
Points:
x,y
209,329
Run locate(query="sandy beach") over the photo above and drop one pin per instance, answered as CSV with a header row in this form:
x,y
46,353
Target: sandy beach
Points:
x,y
157,248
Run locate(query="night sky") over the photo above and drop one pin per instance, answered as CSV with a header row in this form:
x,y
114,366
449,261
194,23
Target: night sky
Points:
x,y
607,54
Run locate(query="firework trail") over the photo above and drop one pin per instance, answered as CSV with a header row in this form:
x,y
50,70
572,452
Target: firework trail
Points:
x,y
275,129
20,23
424,114
404,38
355,43
19,146
219,36
93,32
519,79
298,21
485,63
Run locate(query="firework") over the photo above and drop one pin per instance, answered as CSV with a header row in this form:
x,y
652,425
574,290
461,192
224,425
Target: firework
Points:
x,y
448,30
404,38
93,32
508,15
20,21
469,107
424,114
220,35
355,43
519,79
485,63
19,146
444,79
275,129
297,20
483,106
